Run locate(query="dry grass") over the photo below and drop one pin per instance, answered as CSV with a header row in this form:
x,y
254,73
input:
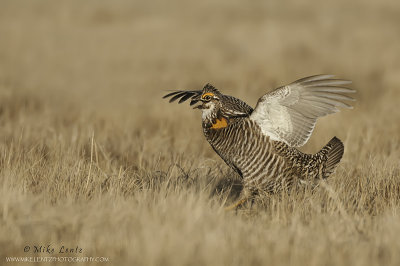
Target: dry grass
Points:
x,y
90,154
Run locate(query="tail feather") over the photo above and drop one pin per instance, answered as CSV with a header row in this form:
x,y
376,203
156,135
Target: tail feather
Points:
x,y
333,152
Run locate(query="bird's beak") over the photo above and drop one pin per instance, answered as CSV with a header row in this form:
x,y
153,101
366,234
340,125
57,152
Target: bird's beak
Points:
x,y
196,100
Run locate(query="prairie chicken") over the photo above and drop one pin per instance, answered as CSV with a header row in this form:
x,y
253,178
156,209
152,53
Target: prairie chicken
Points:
x,y
260,144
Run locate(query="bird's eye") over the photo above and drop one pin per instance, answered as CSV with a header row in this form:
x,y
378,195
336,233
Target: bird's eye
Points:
x,y
207,98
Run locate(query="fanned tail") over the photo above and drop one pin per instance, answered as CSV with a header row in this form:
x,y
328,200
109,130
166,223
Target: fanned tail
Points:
x,y
333,152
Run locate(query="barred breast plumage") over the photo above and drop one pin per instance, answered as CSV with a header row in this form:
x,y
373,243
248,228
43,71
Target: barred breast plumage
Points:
x,y
265,164
260,144
243,147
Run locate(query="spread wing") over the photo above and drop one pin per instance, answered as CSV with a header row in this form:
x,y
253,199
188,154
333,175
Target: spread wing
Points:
x,y
289,113
184,95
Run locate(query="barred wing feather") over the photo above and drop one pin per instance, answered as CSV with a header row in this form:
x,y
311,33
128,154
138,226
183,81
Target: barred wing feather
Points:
x,y
289,113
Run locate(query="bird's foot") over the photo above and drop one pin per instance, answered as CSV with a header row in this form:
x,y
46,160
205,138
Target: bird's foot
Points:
x,y
236,205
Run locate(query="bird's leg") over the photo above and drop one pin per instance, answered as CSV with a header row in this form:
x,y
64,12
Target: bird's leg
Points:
x,y
236,205
245,195
252,203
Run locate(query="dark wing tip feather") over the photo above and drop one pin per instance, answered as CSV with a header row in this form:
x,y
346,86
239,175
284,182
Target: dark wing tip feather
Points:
x,y
193,102
177,96
184,95
170,94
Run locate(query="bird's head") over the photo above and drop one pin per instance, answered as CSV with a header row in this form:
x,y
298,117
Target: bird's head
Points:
x,y
211,102
210,98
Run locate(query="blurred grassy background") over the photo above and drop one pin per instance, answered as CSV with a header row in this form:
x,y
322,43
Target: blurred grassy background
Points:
x,y
91,154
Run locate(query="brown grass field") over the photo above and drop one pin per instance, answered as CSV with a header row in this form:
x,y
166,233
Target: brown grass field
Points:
x,y
91,156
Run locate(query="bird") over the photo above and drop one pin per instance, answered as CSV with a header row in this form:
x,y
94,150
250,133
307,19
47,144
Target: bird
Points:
x,y
261,144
